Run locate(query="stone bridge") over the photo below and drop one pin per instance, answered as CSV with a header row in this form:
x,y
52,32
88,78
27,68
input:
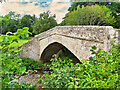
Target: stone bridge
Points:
x,y
77,39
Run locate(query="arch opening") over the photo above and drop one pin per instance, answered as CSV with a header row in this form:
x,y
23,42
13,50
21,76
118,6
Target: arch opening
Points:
x,y
60,51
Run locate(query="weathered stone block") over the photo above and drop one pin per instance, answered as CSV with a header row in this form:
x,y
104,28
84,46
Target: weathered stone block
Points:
x,y
77,39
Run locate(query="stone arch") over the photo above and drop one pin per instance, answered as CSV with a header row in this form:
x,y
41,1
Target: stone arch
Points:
x,y
51,49
77,39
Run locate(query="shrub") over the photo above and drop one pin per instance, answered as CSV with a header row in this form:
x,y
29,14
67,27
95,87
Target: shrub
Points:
x,y
59,77
113,6
11,63
45,22
10,22
31,64
23,33
9,26
100,71
90,15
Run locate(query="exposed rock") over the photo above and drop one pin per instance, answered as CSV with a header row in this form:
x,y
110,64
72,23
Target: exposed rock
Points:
x,y
31,77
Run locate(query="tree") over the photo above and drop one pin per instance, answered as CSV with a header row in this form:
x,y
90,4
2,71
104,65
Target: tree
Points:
x,y
44,22
10,26
113,6
10,22
26,21
90,15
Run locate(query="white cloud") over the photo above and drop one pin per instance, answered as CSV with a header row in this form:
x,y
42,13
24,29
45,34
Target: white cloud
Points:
x,y
60,9
38,0
60,0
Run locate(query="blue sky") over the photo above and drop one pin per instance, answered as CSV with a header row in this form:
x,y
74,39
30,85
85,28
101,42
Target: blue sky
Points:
x,y
36,7
58,7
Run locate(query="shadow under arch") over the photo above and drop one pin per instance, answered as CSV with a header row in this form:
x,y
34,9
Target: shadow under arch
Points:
x,y
52,49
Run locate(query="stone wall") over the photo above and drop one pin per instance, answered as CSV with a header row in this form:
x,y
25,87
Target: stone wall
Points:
x,y
77,39
117,36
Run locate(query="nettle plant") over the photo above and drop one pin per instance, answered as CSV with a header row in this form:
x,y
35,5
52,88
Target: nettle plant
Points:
x,y
59,76
11,63
100,72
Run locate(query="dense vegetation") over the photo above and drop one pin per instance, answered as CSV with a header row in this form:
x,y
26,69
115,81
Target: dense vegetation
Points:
x,y
90,15
12,64
11,22
15,44
44,22
84,11
80,13
99,71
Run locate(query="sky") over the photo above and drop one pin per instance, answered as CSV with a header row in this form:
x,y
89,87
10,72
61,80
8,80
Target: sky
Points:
x,y
58,7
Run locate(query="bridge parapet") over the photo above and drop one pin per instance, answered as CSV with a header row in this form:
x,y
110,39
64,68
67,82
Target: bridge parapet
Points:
x,y
77,39
117,36
92,33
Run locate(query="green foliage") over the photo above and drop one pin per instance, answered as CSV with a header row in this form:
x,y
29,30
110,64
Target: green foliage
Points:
x,y
11,22
23,33
16,44
11,63
10,38
113,6
90,15
99,71
31,64
2,1
9,26
45,22
26,21
18,85
65,54
59,77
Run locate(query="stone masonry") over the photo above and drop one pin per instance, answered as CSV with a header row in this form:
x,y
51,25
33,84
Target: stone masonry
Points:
x,y
77,39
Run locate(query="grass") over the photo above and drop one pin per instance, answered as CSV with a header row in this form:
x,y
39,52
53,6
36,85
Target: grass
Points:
x,y
20,42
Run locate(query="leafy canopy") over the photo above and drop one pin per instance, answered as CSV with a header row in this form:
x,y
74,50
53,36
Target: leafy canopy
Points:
x,y
99,71
113,6
45,22
90,15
